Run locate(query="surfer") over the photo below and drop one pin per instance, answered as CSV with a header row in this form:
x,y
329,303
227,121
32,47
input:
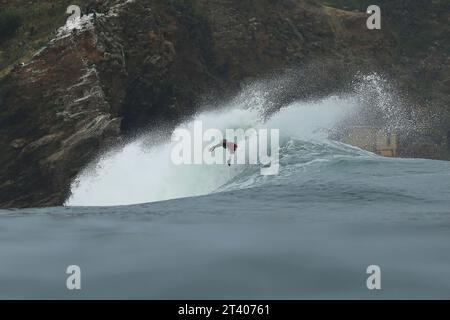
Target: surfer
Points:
x,y
231,146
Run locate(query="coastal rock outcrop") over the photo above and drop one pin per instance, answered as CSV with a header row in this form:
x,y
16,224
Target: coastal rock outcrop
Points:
x,y
144,64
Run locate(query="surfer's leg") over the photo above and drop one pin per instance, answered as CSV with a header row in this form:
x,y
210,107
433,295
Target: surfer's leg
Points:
x,y
229,159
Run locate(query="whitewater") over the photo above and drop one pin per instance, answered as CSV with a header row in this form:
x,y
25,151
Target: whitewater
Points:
x,y
140,226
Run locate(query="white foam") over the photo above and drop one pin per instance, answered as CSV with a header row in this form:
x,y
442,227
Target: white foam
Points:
x,y
138,173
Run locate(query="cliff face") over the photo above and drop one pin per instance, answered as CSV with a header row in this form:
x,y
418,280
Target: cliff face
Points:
x,y
54,116
149,63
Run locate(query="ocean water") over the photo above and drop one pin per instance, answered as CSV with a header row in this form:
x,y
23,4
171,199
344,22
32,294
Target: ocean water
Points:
x,y
141,227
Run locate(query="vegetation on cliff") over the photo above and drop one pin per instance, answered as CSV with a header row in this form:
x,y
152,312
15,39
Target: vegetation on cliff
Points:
x,y
24,29
10,21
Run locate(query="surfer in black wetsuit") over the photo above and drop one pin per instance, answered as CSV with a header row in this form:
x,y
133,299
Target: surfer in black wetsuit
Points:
x,y
231,146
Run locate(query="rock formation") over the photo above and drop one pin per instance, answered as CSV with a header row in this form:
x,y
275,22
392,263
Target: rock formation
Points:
x,y
149,63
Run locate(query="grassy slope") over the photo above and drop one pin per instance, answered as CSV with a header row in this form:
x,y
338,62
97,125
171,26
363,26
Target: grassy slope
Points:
x,y
417,26
40,19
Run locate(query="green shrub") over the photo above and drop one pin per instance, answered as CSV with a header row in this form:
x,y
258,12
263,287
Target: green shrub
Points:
x,y
10,21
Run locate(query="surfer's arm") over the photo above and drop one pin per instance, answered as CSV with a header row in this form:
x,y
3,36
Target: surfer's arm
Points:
x,y
213,147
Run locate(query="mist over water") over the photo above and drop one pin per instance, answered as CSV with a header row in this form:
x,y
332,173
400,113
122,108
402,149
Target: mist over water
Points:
x,y
142,171
137,173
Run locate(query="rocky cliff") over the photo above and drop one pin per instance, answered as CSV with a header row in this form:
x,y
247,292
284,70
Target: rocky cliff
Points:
x,y
144,64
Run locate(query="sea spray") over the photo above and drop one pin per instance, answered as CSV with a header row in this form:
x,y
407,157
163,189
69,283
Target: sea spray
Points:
x,y
139,173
